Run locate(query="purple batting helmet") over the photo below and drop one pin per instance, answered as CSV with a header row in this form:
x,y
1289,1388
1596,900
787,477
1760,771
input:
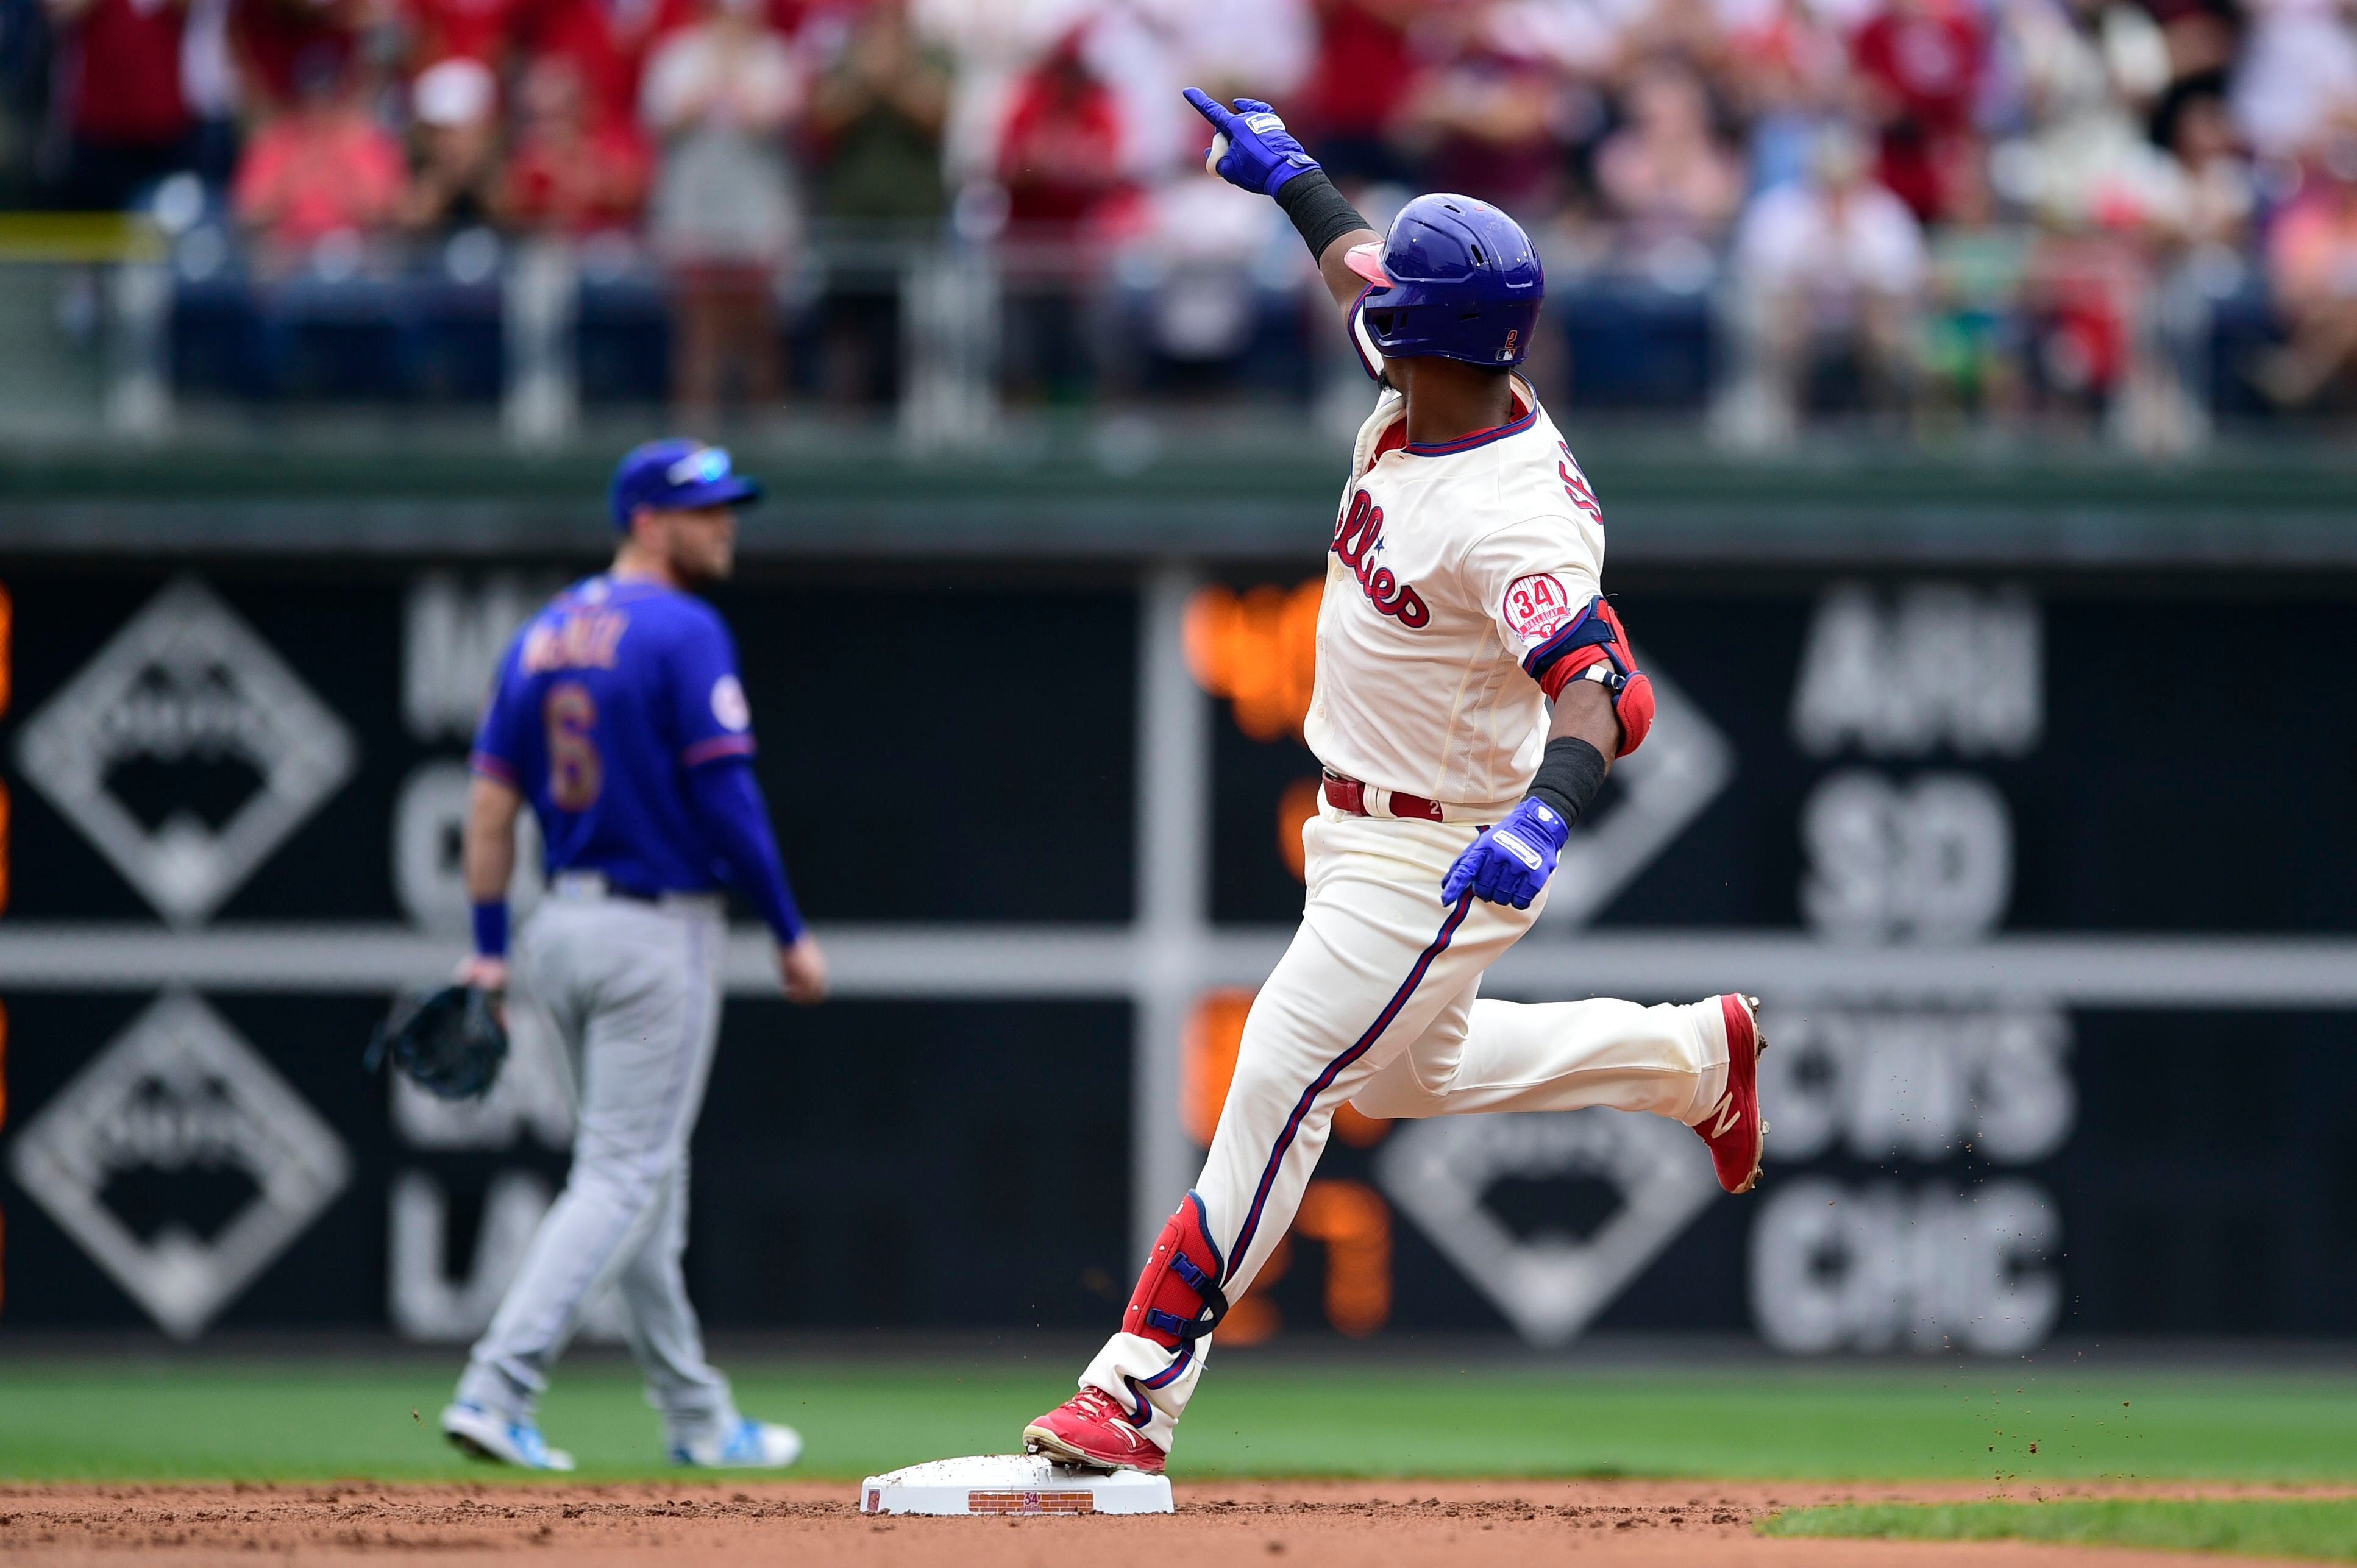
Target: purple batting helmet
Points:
x,y
1455,278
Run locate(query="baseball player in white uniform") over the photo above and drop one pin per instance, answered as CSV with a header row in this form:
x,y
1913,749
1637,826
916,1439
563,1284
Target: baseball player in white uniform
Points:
x,y
1473,687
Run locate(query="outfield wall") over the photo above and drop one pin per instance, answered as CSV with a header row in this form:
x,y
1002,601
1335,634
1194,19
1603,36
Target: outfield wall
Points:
x,y
2040,868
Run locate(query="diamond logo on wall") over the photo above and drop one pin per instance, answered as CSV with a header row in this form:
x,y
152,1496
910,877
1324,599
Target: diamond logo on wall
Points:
x,y
187,752
1664,784
1442,1174
181,1162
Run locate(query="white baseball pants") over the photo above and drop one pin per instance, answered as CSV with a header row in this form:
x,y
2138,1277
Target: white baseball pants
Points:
x,y
1375,1004
634,992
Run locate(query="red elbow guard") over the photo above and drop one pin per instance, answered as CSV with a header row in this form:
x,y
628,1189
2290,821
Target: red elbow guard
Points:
x,y
1633,702
1598,652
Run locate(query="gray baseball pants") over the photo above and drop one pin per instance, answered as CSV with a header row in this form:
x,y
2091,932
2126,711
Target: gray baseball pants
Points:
x,y
633,989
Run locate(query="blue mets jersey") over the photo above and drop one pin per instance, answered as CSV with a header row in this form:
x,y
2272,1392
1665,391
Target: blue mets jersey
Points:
x,y
604,703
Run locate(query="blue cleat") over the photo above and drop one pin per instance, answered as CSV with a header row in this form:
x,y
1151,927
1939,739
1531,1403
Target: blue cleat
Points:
x,y
748,1445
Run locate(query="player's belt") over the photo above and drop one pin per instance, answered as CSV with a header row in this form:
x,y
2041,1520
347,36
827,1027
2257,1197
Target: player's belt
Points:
x,y
1350,796
597,884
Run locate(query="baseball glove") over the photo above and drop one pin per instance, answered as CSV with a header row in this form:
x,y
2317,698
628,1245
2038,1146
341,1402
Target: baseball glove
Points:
x,y
451,1042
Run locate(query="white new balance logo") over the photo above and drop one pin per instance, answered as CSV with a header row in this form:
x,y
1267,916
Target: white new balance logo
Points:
x,y
1726,1113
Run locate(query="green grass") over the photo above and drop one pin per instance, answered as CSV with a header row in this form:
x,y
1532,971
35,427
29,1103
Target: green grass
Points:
x,y
2325,1529
155,1420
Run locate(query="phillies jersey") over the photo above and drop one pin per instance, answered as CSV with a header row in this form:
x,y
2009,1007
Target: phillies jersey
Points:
x,y
603,702
1452,566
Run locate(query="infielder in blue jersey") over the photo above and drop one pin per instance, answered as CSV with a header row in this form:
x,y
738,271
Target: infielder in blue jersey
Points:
x,y
618,713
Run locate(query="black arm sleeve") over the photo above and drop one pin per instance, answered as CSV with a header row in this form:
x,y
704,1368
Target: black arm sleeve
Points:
x,y
1569,774
1319,211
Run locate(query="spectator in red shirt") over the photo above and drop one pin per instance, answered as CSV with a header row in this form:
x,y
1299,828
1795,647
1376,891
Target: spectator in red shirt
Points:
x,y
788,18
1364,71
1061,150
1920,64
125,121
1485,120
606,42
322,167
461,29
571,172
272,40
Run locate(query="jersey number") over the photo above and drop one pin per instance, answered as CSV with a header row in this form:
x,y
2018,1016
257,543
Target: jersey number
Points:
x,y
575,774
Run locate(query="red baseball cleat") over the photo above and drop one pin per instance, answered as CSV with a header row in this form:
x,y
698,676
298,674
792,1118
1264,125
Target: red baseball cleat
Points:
x,y
1089,1429
1735,1132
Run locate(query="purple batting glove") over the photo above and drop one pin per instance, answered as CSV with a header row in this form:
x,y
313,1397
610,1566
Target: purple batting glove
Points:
x,y
1510,862
1261,154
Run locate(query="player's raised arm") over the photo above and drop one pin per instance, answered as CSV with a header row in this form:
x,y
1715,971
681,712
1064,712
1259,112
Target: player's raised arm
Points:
x,y
1252,150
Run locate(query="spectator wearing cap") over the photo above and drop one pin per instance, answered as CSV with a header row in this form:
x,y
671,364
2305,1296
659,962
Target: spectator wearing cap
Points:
x,y
1832,265
119,99
1063,150
570,171
719,95
1063,156
454,180
323,167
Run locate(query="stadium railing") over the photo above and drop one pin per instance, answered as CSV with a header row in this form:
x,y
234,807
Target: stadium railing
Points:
x,y
113,323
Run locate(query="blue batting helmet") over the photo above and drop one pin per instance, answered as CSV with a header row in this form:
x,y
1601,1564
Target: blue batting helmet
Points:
x,y
1455,278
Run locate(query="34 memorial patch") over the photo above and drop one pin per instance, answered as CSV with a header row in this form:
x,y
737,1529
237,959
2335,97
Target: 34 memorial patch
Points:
x,y
1539,606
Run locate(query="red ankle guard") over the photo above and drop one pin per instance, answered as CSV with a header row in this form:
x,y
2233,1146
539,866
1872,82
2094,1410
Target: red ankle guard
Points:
x,y
1177,1299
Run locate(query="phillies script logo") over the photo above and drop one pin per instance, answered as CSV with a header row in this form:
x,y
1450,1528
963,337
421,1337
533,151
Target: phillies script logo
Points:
x,y
1357,539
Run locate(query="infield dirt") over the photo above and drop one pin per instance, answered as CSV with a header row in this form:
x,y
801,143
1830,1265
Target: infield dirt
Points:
x,y
1361,1524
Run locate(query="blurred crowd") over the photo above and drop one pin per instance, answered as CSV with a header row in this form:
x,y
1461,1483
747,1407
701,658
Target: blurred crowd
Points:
x,y
1984,205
